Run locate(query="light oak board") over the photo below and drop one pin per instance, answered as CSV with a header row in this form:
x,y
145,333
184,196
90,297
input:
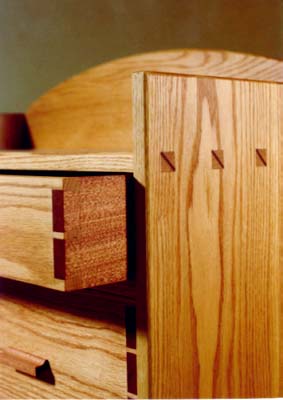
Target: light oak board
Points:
x,y
61,161
212,232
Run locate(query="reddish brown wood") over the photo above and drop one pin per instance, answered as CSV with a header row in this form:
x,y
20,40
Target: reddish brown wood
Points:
x,y
95,225
59,258
58,210
27,363
14,132
132,373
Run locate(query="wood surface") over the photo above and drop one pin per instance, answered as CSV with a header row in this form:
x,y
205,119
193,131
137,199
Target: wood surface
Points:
x,y
95,230
212,236
86,348
93,110
61,161
88,247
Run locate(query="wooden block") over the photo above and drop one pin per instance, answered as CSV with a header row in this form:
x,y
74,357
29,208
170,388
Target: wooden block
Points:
x,y
64,233
214,300
93,110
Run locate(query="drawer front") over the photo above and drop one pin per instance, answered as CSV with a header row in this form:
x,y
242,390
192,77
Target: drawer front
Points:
x,y
64,233
87,355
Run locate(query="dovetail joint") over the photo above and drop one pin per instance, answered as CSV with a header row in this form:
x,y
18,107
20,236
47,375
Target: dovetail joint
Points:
x,y
217,157
167,161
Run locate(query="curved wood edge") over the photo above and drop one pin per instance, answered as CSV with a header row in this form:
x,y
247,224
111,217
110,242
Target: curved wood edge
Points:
x,y
27,364
93,110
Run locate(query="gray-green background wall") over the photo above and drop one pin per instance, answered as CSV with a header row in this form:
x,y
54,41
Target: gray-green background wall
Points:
x,y
43,42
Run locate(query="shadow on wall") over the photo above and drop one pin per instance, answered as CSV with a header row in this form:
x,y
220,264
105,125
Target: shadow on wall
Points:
x,y
43,43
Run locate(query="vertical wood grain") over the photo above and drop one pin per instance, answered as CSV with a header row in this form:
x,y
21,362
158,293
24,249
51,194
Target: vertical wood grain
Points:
x,y
213,268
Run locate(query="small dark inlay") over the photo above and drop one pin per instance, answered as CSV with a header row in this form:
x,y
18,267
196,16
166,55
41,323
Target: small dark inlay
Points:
x,y
58,210
59,258
217,159
261,157
167,161
131,327
132,373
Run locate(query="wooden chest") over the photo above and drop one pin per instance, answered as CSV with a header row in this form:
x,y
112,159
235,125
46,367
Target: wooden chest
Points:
x,y
149,265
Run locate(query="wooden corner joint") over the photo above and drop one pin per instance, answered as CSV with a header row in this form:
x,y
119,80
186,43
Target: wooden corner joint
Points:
x,y
59,256
261,157
217,157
58,233
58,210
167,161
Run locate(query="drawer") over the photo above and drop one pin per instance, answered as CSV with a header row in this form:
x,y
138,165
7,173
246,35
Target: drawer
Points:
x,y
85,346
64,233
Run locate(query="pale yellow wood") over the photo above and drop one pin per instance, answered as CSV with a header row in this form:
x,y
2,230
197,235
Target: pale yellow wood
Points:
x,y
213,268
93,109
92,251
61,161
86,352
26,246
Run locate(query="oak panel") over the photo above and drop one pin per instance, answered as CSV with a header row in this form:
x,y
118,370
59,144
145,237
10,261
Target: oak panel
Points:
x,y
212,234
93,110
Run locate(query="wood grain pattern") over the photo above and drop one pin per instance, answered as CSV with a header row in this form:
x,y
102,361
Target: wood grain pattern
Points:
x,y
26,247
93,238
95,230
61,161
213,268
86,351
93,109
